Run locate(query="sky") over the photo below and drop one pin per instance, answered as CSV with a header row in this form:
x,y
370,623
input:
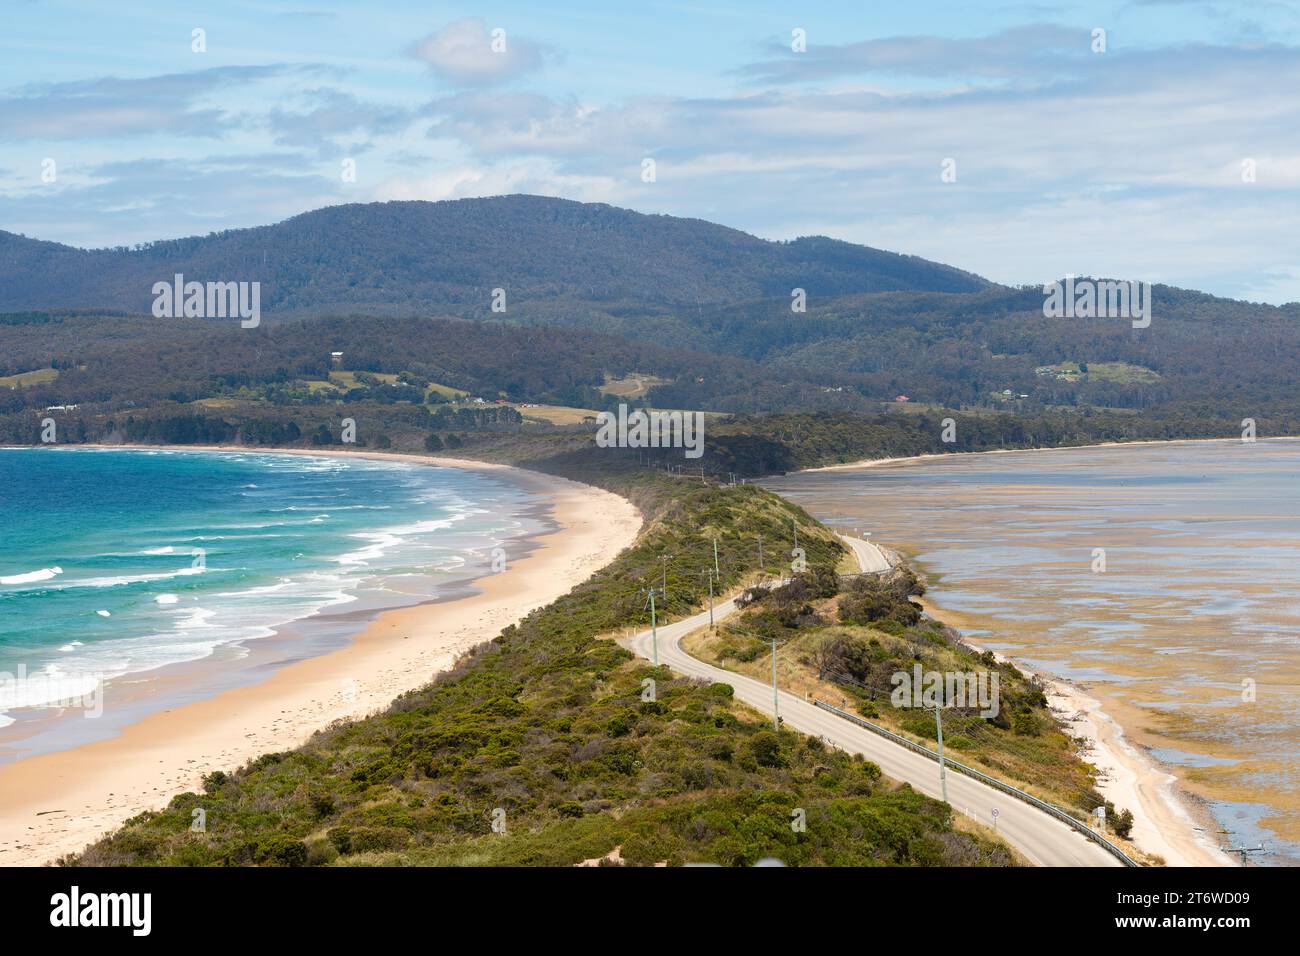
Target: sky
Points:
x,y
1153,140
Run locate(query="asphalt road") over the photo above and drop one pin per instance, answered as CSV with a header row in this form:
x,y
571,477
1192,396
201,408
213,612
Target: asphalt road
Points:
x,y
1040,837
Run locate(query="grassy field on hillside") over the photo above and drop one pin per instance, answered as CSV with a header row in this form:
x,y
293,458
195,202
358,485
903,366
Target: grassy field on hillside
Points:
x,y
40,376
630,386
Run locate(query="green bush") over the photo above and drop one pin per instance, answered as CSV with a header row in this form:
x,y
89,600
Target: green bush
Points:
x,y
282,851
341,838
365,839
765,746
1123,823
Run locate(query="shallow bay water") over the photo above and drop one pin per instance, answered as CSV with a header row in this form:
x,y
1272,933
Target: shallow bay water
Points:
x,y
1165,578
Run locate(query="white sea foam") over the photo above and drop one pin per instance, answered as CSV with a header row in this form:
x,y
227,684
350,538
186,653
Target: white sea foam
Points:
x,y
122,579
31,577
199,617
172,632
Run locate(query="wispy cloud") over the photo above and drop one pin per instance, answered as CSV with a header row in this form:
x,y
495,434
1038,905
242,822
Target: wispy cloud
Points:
x,y
1013,54
111,107
330,116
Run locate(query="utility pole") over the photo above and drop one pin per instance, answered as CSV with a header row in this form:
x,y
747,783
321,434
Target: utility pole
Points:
x,y
776,718
715,559
761,569
943,770
710,574
795,525
654,626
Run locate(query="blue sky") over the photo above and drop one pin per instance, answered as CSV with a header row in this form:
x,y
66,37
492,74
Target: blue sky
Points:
x,y
1127,162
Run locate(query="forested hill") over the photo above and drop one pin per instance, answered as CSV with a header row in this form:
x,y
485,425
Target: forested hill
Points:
x,y
593,291
397,257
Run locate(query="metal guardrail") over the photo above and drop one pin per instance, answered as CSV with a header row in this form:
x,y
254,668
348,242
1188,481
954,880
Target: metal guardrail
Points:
x,y
1046,807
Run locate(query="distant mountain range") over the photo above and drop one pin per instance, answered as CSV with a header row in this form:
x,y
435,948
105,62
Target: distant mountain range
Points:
x,y
407,257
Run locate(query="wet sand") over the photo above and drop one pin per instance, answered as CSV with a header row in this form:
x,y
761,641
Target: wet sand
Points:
x,y
1180,660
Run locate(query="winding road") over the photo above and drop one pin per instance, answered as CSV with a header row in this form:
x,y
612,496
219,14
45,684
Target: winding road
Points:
x,y
1041,838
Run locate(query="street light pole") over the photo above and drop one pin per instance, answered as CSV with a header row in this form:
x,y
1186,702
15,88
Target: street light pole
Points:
x,y
710,602
654,627
943,770
706,571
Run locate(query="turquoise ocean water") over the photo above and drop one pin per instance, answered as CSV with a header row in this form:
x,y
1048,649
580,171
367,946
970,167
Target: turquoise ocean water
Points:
x,y
117,563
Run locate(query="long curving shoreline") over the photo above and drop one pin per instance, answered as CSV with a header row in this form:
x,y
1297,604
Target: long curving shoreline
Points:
x,y
57,803
930,456
1166,824
1163,825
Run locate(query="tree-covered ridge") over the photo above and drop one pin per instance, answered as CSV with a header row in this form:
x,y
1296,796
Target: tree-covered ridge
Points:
x,y
413,256
963,350
122,362
589,291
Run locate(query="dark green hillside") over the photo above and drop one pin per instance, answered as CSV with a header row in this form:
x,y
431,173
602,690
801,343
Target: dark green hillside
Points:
x,y
593,291
118,359
405,257
963,350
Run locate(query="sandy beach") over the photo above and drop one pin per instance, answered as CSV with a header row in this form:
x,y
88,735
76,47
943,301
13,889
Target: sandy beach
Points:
x,y
57,803
1163,825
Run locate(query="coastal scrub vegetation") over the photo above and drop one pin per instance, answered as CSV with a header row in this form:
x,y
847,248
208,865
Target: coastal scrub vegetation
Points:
x,y
541,747
845,643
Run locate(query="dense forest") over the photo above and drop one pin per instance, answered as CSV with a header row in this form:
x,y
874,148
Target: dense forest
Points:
x,y
410,257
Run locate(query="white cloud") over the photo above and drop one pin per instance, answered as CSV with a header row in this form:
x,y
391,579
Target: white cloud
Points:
x,y
467,181
466,53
